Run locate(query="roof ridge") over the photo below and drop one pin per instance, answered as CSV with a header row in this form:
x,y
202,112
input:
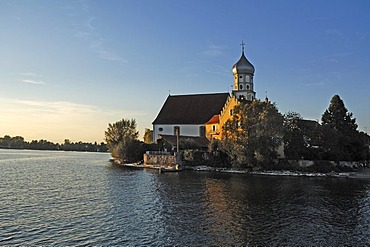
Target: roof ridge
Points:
x,y
198,94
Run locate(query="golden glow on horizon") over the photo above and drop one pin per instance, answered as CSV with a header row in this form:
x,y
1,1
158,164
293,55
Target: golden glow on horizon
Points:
x,y
56,120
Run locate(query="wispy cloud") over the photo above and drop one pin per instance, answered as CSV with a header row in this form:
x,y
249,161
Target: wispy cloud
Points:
x,y
310,84
334,32
221,72
214,50
33,74
33,82
333,58
321,18
319,79
62,108
34,78
87,32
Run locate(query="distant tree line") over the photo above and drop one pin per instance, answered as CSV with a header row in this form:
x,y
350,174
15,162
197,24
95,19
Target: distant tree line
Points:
x,y
18,142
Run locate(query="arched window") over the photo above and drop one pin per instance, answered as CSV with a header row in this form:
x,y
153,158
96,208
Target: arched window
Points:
x,y
247,87
241,86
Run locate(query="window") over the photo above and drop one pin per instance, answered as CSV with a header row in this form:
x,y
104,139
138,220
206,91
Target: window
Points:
x,y
231,112
241,86
247,87
176,130
160,129
202,131
241,77
214,128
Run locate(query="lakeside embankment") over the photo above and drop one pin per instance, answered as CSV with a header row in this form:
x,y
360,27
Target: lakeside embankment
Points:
x,y
363,173
360,173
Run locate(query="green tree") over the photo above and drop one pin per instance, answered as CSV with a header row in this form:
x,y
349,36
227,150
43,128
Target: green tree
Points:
x,y
148,136
122,141
338,118
253,135
341,139
17,142
5,142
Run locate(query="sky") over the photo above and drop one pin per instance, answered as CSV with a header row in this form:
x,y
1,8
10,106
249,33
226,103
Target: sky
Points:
x,y
69,68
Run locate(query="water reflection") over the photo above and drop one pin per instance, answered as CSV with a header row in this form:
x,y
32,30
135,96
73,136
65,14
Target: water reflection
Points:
x,y
59,198
136,208
227,209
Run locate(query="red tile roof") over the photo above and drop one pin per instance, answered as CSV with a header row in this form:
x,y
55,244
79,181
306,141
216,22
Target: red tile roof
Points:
x,y
214,119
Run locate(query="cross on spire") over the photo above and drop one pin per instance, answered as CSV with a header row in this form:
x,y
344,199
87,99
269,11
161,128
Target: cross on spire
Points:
x,y
242,44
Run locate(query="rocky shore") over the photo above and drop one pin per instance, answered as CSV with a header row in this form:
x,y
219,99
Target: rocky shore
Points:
x,y
360,174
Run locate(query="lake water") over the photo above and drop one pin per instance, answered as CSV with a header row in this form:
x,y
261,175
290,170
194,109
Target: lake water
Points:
x,y
72,198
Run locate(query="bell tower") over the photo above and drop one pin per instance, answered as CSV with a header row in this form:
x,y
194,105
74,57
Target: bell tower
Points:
x,y
243,72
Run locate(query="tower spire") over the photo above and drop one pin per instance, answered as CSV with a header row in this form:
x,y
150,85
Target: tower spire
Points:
x,y
242,44
243,72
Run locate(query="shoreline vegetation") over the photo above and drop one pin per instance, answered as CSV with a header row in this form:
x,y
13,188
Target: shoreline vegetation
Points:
x,y
18,142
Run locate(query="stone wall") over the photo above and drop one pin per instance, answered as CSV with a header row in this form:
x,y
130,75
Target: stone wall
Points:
x,y
161,160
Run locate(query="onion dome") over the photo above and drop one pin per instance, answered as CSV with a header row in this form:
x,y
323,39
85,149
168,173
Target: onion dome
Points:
x,y
243,66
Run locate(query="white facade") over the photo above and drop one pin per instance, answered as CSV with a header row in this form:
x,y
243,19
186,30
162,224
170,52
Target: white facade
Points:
x,y
185,130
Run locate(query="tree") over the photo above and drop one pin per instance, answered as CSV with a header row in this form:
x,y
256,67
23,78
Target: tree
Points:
x,y
6,141
122,141
338,118
341,139
218,157
293,136
301,137
148,136
253,135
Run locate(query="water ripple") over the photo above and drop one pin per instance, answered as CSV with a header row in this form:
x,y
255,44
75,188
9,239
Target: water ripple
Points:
x,y
77,199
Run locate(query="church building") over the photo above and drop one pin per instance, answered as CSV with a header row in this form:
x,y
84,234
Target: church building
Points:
x,y
200,117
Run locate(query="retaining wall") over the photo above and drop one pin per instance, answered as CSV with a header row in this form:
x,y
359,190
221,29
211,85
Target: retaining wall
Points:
x,y
161,160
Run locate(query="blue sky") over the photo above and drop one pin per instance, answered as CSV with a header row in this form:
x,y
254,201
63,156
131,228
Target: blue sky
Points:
x,y
68,68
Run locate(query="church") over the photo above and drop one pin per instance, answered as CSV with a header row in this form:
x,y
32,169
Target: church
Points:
x,y
200,117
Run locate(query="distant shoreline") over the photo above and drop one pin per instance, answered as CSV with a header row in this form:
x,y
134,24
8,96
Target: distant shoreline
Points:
x,y
31,149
